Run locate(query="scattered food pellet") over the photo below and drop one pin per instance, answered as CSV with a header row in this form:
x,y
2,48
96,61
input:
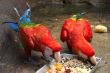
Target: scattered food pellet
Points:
x,y
105,62
73,64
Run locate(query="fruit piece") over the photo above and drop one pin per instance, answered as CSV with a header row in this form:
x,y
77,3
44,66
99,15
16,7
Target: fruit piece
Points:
x,y
58,66
100,28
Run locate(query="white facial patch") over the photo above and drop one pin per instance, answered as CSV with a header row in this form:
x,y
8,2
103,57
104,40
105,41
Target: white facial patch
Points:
x,y
82,55
48,51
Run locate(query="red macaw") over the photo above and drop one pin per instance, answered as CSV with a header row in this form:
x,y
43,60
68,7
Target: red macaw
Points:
x,y
36,37
76,34
82,22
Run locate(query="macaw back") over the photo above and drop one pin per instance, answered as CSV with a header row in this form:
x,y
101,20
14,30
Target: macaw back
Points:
x,y
87,29
38,38
68,24
78,43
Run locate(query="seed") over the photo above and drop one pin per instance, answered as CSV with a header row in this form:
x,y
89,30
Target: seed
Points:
x,y
91,67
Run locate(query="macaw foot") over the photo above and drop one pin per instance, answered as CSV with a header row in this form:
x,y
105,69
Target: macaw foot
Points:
x,y
30,61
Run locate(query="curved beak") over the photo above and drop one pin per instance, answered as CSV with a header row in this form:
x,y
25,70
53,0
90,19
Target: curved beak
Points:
x,y
57,56
93,60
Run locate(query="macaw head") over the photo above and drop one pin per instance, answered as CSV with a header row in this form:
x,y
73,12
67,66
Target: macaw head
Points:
x,y
25,18
89,54
50,55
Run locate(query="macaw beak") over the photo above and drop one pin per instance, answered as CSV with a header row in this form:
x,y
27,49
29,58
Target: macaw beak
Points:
x,y
57,56
93,60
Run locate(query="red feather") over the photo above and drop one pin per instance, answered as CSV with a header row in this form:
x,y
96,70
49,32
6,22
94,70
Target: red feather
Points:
x,y
78,33
37,38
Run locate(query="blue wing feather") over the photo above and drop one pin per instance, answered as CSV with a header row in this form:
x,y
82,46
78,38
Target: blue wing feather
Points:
x,y
24,18
12,25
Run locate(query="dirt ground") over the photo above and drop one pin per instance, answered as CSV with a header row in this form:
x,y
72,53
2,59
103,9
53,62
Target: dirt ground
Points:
x,y
12,56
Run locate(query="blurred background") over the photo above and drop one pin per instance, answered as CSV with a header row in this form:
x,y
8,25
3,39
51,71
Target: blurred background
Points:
x,y
51,13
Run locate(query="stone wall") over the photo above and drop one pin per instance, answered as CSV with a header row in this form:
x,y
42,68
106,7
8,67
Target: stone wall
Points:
x,y
6,7
96,3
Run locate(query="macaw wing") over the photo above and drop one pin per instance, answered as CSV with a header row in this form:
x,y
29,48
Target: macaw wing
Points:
x,y
63,35
12,25
87,29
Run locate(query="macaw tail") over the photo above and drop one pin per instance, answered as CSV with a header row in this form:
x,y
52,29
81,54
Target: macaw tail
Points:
x,y
78,16
12,25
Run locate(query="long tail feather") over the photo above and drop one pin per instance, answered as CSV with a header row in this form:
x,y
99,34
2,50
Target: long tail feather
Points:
x,y
17,12
29,7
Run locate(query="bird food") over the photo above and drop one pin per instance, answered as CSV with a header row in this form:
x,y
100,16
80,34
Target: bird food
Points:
x,y
73,64
100,29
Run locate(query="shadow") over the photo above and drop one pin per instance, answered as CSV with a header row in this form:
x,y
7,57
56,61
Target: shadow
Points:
x,y
12,55
10,43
